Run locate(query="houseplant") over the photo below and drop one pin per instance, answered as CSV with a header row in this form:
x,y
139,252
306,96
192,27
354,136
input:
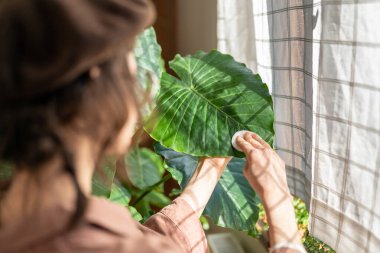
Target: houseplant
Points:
x,y
194,114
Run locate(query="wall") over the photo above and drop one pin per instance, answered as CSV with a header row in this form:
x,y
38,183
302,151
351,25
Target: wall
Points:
x,y
196,25
166,27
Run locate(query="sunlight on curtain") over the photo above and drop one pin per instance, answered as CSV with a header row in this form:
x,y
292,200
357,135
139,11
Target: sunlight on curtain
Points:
x,y
322,62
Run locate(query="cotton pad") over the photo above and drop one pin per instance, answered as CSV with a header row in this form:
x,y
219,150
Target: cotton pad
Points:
x,y
237,134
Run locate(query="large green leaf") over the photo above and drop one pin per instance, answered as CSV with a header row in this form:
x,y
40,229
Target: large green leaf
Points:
x,y
149,66
145,168
214,97
148,56
233,203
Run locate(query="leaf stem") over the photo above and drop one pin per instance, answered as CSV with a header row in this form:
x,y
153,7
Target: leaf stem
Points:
x,y
150,189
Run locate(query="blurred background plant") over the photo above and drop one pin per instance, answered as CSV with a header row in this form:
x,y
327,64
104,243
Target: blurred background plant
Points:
x,y
312,244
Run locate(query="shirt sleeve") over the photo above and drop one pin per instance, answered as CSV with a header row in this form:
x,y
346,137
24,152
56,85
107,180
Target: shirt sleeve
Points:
x,y
180,222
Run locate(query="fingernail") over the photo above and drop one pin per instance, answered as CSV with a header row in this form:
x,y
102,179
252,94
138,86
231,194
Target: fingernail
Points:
x,y
255,134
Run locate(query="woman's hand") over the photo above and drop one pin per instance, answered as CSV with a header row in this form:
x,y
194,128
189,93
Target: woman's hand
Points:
x,y
198,192
265,171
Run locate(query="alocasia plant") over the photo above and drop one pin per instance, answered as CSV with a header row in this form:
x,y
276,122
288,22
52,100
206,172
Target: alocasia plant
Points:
x,y
233,203
196,113
213,98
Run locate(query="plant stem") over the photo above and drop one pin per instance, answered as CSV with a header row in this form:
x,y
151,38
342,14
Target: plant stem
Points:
x,y
150,189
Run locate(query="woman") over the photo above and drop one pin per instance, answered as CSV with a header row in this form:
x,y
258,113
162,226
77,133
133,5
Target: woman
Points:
x,y
67,99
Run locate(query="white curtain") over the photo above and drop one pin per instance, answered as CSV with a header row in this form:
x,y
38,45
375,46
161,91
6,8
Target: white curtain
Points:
x,y
321,60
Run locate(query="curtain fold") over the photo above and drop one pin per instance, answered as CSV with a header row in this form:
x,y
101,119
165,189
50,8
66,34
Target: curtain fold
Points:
x,y
321,60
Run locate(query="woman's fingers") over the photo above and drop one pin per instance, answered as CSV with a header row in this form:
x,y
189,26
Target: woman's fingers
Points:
x,y
260,140
248,136
253,139
244,145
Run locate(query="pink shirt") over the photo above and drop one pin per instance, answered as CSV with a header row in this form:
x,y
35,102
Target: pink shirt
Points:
x,y
107,227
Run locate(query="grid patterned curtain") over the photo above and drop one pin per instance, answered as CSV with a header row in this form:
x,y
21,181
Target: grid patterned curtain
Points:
x,y
321,60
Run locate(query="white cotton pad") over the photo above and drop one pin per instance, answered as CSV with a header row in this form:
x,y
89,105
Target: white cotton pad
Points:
x,y
233,141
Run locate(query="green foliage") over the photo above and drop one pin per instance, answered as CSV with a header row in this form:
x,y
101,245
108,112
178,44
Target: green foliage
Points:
x,y
5,171
311,244
148,56
102,180
135,214
145,168
180,165
302,216
214,98
121,195
148,201
233,203
204,222
145,193
150,67
197,114
145,171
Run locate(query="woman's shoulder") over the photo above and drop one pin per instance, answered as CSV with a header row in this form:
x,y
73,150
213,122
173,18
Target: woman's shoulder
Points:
x,y
111,217
103,225
108,227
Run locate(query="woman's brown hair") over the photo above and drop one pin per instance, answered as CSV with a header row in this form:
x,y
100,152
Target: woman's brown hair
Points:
x,y
93,106
48,51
